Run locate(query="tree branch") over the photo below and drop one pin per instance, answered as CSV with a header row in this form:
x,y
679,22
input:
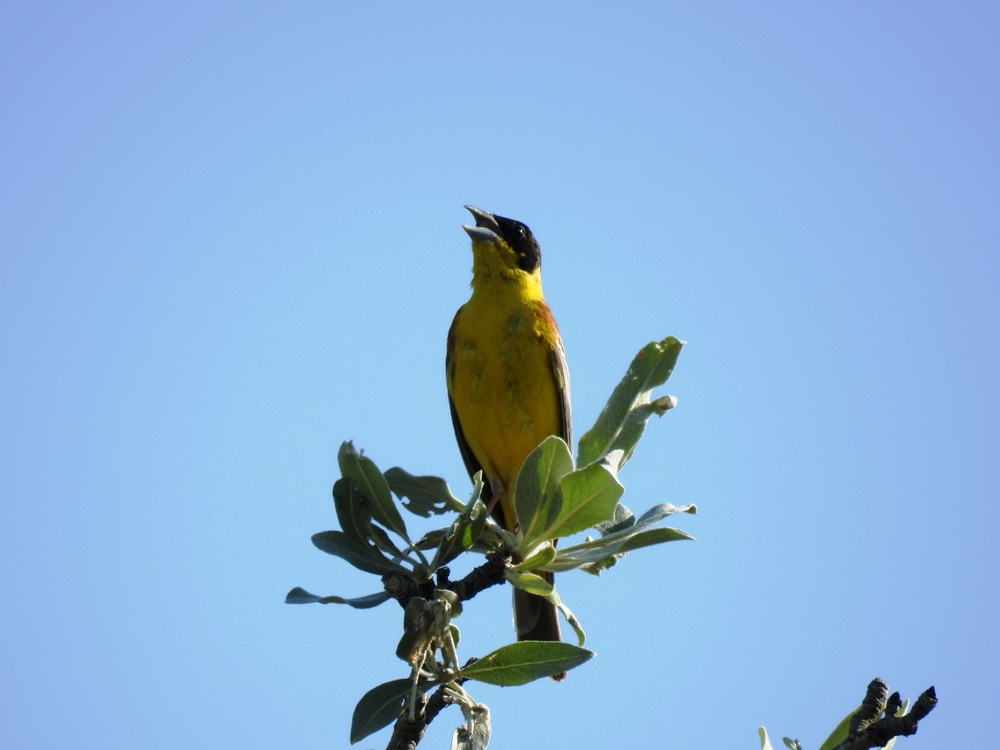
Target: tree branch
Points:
x,y
406,734
867,730
402,587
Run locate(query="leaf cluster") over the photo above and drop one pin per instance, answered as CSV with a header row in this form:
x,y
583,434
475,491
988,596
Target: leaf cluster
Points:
x,y
554,497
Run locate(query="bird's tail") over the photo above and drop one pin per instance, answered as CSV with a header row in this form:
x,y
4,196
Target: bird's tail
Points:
x,y
536,618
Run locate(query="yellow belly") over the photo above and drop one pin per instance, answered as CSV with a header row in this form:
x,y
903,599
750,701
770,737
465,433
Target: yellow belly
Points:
x,y
504,390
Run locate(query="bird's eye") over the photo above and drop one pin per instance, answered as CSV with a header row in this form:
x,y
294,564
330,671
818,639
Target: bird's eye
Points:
x,y
520,231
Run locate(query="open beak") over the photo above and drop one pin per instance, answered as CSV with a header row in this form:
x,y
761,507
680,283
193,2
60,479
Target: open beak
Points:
x,y
486,229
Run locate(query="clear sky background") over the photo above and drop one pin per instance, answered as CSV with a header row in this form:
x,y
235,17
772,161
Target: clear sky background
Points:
x,y
230,239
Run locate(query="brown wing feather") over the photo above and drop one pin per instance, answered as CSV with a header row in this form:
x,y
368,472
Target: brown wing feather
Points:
x,y
561,372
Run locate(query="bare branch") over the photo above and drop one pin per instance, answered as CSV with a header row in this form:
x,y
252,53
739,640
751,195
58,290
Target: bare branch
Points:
x,y
867,730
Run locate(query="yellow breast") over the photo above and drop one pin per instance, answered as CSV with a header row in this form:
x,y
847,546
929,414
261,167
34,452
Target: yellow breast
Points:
x,y
502,383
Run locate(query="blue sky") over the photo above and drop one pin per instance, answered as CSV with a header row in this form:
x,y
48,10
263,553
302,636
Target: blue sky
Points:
x,y
230,239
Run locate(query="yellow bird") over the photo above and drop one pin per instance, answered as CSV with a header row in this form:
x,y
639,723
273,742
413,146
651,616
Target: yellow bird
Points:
x,y
508,384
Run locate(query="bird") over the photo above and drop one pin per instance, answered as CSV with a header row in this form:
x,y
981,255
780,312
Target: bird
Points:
x,y
508,382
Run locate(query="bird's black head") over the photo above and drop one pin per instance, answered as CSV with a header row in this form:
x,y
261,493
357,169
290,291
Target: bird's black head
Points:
x,y
522,241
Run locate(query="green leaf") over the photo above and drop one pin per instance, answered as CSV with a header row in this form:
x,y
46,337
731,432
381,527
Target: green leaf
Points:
x,y
636,541
621,520
373,487
427,495
538,484
635,424
581,637
474,528
600,554
589,496
379,707
651,516
539,560
663,510
653,536
359,602
592,552
595,555
530,582
384,542
431,540
359,554
464,531
520,663
301,596
616,427
840,732
352,510
462,534
582,498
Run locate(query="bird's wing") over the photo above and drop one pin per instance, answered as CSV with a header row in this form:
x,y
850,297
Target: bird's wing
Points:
x,y
471,464
561,373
